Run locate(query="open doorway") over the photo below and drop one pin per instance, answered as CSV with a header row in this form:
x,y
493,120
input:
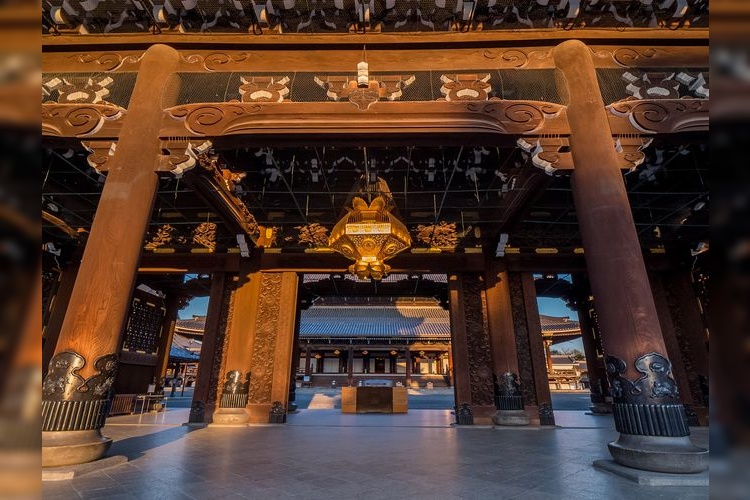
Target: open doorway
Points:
x,y
359,333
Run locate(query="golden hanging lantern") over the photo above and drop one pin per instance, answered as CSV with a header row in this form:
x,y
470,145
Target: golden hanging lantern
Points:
x,y
369,235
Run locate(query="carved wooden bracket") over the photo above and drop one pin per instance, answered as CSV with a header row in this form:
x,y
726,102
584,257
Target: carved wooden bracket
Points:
x,y
216,187
552,154
663,116
182,155
100,154
382,118
80,120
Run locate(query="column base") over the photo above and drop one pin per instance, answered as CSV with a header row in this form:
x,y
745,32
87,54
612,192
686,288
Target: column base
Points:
x,y
231,416
676,455
73,447
511,417
601,409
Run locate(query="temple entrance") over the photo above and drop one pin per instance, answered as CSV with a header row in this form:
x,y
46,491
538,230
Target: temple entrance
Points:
x,y
357,333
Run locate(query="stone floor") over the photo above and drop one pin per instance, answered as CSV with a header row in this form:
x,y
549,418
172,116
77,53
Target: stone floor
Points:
x,y
323,454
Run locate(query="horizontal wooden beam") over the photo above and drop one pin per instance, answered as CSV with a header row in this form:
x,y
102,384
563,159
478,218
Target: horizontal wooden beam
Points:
x,y
498,38
188,263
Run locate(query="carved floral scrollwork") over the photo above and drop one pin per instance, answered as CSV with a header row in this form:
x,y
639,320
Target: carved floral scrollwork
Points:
x,y
205,235
512,58
517,117
76,120
478,341
110,61
665,115
269,313
441,235
312,235
219,61
212,119
628,56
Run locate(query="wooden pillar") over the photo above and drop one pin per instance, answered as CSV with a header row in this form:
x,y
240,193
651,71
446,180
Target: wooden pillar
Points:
x,y
234,381
203,404
173,304
350,366
86,353
537,349
636,357
308,361
548,354
583,305
472,362
272,347
684,338
407,359
508,397
57,312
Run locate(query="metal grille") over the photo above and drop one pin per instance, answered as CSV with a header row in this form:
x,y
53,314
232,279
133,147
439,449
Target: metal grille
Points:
x,y
119,90
614,82
536,85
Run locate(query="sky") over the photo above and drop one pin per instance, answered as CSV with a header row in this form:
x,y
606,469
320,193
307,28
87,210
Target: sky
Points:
x,y
548,306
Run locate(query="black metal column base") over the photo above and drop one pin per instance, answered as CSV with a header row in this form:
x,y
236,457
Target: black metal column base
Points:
x,y
676,455
464,415
277,414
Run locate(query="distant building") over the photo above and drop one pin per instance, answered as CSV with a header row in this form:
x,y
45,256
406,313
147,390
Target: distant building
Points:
x,y
568,373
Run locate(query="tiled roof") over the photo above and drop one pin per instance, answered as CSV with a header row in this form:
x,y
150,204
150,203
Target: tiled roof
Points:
x,y
195,324
558,324
376,321
180,353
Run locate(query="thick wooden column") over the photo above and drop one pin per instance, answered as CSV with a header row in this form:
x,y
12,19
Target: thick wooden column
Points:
x,y
646,399
272,347
76,389
57,313
350,366
202,407
684,338
236,370
173,304
308,361
407,360
538,350
584,306
472,363
508,397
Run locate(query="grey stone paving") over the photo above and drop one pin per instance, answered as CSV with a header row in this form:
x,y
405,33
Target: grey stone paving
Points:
x,y
387,458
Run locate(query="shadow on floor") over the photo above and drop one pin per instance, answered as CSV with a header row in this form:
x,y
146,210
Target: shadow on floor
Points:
x,y
136,446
